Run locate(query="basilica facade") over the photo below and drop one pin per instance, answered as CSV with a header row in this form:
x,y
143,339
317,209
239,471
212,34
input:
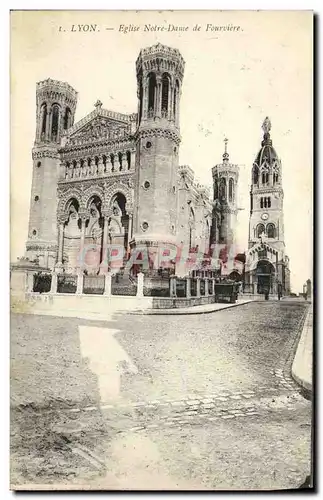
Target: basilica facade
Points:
x,y
115,179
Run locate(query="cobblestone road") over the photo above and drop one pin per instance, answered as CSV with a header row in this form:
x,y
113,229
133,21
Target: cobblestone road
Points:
x,y
212,404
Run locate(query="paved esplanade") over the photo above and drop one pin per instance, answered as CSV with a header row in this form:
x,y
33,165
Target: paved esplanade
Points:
x,y
160,402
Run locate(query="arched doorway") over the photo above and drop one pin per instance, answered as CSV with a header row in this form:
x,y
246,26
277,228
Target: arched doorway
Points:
x,y
119,221
93,240
265,273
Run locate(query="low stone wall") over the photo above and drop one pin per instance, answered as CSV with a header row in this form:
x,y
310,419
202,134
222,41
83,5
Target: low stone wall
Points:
x,y
79,304
175,303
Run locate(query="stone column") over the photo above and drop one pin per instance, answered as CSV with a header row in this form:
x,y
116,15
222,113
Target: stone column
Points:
x,y
206,287
170,102
198,286
59,263
105,253
108,165
159,96
213,286
172,287
140,285
108,284
145,100
53,286
188,288
81,258
100,166
48,124
132,160
58,127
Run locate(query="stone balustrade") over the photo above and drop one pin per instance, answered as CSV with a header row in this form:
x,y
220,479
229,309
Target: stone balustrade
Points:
x,y
98,166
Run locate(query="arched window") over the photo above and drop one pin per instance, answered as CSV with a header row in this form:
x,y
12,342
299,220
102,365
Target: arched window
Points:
x,y
72,209
271,231
191,225
120,160
67,118
230,189
112,161
216,193
175,101
268,202
151,93
140,101
275,178
55,115
265,177
43,118
255,175
223,188
165,93
129,159
260,229
261,202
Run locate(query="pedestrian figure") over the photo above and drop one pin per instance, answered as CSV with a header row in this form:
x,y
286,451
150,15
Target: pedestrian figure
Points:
x,y
280,291
266,294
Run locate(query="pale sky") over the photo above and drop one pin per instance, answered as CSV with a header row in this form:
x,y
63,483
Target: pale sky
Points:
x,y
232,81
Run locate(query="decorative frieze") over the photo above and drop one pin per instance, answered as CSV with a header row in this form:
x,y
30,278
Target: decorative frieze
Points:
x,y
45,153
159,132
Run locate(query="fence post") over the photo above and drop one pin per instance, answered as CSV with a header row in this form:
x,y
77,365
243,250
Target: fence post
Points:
x,y
172,283
30,281
198,286
213,286
107,284
53,285
80,278
188,288
206,287
140,285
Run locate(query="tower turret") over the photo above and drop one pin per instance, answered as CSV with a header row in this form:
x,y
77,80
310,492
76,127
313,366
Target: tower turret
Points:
x,y
266,194
56,104
160,72
55,110
225,186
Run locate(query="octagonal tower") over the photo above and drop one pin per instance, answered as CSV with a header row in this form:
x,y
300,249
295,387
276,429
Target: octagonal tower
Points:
x,y
160,72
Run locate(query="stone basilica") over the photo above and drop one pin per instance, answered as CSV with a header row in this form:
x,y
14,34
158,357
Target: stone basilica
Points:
x,y
114,178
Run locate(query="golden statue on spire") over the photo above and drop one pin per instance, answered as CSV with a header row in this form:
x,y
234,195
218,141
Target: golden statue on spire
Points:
x,y
266,126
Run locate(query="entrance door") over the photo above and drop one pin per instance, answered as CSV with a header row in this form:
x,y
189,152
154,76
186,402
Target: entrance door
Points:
x,y
265,276
263,284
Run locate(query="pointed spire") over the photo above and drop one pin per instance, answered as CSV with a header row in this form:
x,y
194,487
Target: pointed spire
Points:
x,y
225,155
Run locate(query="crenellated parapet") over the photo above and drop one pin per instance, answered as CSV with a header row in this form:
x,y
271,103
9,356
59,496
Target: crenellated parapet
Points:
x,y
56,91
160,58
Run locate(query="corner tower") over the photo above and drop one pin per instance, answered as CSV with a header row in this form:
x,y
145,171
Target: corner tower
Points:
x,y
55,110
266,195
160,71
225,187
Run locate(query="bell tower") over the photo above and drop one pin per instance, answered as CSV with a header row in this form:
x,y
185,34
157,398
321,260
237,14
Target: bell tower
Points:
x,y
266,195
160,71
55,110
225,187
